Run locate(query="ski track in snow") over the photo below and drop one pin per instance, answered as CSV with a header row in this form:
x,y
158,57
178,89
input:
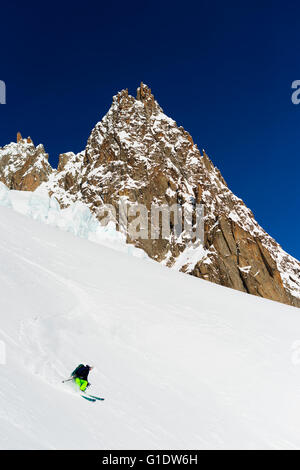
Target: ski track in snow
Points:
x,y
182,363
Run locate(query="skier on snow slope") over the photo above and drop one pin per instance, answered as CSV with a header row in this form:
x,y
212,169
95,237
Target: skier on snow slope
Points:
x,y
80,376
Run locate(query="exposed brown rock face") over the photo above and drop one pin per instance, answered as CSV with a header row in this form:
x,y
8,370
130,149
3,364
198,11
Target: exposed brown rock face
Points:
x,y
139,155
242,262
23,166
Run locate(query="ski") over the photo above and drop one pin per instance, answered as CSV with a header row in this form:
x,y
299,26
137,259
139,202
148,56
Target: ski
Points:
x,y
95,398
89,398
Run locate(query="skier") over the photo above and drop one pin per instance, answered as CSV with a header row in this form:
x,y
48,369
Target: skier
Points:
x,y
80,376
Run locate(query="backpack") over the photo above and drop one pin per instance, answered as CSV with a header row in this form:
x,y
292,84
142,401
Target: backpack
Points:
x,y
74,373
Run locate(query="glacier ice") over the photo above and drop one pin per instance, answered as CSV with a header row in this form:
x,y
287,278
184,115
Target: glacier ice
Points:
x,y
76,219
4,196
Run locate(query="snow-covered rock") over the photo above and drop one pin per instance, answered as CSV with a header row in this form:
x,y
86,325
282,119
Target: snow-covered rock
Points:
x,y
24,166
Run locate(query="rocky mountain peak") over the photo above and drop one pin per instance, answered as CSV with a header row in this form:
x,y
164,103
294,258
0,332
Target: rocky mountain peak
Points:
x,y
138,154
23,166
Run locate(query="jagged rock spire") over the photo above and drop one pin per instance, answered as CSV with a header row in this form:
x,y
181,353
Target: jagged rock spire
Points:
x,y
145,95
143,92
20,138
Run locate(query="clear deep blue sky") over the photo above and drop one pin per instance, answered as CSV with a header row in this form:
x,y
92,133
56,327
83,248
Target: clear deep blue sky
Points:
x,y
223,70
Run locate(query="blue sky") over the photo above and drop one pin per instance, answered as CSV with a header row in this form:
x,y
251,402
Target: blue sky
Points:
x,y
223,70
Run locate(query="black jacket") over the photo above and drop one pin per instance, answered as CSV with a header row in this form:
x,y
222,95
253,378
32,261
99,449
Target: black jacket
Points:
x,y
83,373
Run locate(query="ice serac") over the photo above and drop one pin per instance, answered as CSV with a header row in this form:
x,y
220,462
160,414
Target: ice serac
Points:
x,y
138,154
24,166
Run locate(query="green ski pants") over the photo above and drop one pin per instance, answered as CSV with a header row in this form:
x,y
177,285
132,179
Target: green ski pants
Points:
x,y
82,384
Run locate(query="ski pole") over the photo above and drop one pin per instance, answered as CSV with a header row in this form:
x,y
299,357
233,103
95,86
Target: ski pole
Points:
x,y
68,380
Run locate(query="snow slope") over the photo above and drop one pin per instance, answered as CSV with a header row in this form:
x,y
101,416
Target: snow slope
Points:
x,y
182,363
